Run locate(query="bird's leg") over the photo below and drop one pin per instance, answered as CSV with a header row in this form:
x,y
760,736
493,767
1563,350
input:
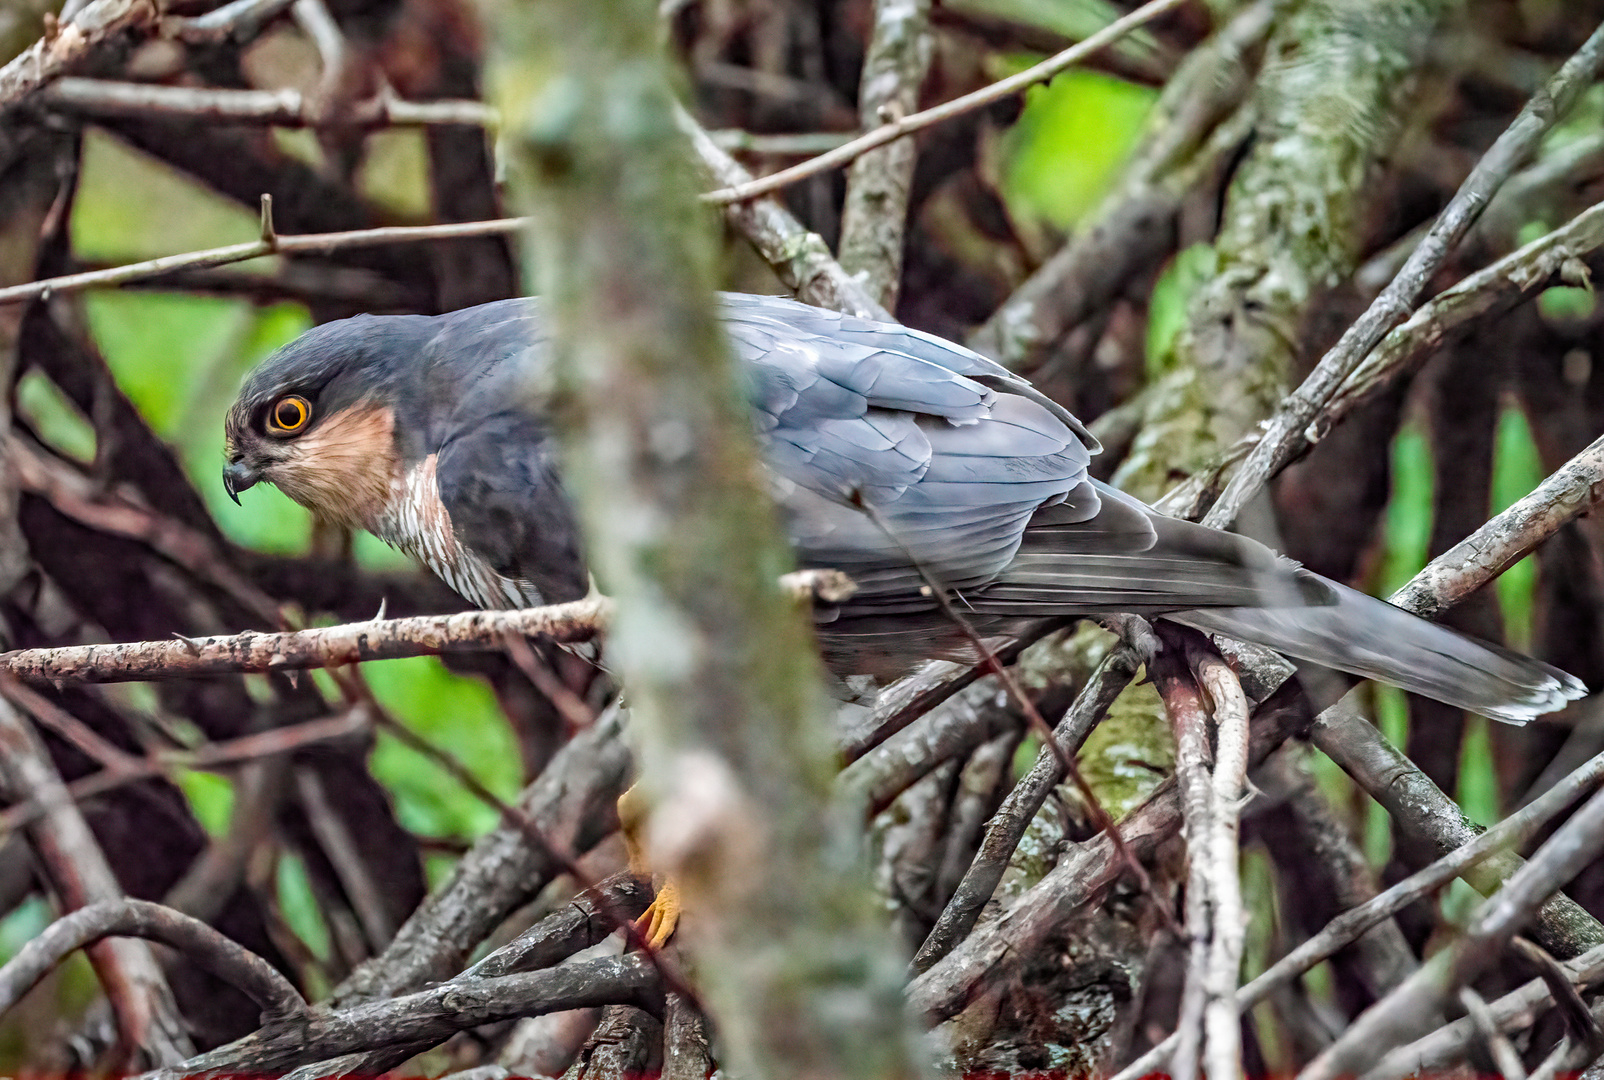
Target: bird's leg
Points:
x,y
657,923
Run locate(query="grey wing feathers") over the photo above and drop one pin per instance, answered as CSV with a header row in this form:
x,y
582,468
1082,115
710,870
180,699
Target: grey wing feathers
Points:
x,y
895,456
864,415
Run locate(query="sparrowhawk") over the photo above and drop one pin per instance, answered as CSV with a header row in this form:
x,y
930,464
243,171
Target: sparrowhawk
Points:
x,y
895,456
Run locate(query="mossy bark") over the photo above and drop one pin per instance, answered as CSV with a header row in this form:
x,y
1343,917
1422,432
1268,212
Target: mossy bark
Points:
x,y
724,686
1336,84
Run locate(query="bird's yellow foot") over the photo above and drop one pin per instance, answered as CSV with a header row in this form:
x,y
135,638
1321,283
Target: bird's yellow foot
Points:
x,y
660,919
658,922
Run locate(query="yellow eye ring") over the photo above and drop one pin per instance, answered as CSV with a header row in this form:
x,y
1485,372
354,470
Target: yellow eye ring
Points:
x,y
289,415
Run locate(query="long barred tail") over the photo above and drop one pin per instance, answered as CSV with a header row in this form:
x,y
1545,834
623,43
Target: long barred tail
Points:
x,y
1365,636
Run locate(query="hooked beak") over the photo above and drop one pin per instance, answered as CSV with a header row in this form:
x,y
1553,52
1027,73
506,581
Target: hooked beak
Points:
x,y
237,477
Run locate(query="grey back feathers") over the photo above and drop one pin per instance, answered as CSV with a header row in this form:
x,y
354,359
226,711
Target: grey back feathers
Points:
x,y
897,458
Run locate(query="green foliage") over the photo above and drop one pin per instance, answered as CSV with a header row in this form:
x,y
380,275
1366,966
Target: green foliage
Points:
x,y
458,715
54,418
211,798
1517,469
299,907
1069,143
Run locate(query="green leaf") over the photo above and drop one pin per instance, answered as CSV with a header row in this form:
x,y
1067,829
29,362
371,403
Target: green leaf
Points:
x,y
1517,469
1065,151
211,798
462,717
299,906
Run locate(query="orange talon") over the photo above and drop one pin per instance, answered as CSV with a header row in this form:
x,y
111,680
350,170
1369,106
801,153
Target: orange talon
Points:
x,y
658,922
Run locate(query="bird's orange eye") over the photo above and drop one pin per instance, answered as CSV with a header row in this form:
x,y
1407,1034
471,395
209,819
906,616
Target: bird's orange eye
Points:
x,y
289,415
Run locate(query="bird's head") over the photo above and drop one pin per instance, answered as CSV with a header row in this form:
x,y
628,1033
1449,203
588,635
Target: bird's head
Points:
x,y
317,419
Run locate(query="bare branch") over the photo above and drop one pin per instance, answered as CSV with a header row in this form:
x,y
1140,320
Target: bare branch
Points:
x,y
1551,259
424,1018
584,921
1520,1008
221,955
1135,225
350,643
1569,491
1499,1047
1184,704
96,27
147,1018
238,22
907,125
574,805
283,108
334,646
874,214
1222,1051
1389,309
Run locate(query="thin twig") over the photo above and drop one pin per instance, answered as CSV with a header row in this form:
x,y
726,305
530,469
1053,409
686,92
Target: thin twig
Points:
x,y
221,955
263,744
907,125
304,244
800,144
1508,153
1404,1012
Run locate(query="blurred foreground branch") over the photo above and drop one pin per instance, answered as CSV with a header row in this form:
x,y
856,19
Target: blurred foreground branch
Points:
x,y
724,685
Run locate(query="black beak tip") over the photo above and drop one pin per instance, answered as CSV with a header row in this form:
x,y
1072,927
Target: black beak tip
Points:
x,y
238,476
